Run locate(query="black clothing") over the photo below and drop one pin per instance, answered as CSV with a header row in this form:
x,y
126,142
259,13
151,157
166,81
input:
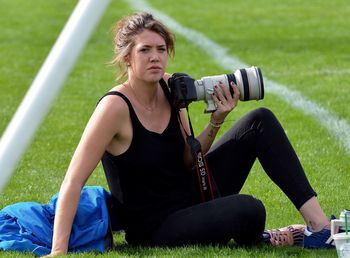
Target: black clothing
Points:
x,y
156,198
241,217
149,180
238,216
258,135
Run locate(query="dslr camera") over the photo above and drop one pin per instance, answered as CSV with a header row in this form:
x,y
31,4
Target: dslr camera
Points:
x,y
185,89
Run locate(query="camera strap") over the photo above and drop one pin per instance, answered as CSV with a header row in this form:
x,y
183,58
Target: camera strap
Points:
x,y
205,181
203,173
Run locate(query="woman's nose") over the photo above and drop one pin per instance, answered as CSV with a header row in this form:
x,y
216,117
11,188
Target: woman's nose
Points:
x,y
154,57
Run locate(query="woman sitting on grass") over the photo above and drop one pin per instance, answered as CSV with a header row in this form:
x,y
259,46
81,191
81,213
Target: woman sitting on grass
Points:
x,y
141,139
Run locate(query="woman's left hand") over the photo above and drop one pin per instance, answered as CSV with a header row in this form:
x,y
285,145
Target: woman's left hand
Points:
x,y
224,101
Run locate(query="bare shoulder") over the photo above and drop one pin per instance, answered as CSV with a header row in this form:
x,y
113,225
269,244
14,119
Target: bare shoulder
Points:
x,y
112,108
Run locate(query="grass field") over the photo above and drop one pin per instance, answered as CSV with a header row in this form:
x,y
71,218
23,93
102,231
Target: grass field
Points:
x,y
304,45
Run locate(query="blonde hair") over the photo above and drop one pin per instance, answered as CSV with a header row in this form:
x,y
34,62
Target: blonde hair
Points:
x,y
128,28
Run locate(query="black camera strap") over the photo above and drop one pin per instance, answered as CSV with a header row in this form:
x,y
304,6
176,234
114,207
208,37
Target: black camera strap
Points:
x,y
205,183
203,173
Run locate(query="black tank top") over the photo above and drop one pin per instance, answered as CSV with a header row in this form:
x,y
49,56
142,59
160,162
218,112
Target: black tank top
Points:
x,y
149,181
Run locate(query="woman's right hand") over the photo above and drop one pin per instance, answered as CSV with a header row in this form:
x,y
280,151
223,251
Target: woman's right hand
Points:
x,y
55,254
224,101
103,125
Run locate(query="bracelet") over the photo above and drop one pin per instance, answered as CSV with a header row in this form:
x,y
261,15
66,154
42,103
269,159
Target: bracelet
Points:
x,y
217,125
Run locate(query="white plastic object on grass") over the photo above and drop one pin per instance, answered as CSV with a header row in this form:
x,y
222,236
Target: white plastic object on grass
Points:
x,y
47,83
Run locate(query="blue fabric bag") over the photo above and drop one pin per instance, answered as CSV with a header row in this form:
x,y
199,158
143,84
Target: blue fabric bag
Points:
x,y
28,226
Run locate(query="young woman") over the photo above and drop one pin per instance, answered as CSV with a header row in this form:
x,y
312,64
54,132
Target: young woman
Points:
x,y
141,140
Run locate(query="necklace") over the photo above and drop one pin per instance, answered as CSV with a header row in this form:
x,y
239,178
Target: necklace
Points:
x,y
150,109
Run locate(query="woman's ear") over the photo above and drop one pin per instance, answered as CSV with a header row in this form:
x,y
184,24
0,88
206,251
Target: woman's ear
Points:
x,y
127,60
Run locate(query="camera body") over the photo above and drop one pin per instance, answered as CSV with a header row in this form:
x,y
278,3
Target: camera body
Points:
x,y
185,89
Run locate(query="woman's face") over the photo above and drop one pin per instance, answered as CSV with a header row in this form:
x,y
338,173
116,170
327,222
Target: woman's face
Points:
x,y
148,57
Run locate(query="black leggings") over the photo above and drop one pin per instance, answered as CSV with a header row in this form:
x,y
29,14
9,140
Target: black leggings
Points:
x,y
237,216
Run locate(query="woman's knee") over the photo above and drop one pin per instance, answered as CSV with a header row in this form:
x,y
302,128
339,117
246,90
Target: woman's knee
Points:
x,y
253,210
256,119
263,114
265,121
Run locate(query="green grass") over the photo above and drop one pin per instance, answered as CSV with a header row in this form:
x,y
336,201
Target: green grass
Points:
x,y
301,44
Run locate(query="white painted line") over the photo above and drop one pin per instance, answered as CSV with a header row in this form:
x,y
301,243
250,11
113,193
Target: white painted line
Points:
x,y
336,126
47,84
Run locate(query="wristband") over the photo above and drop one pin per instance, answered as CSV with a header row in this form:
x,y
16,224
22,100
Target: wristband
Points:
x,y
216,125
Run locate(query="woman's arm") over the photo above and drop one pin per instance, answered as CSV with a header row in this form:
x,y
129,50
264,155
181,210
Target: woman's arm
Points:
x,y
99,132
225,104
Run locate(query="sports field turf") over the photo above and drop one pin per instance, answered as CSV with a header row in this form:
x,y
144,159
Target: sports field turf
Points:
x,y
302,45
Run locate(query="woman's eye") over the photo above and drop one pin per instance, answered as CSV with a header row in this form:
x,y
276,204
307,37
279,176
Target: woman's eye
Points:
x,y
143,50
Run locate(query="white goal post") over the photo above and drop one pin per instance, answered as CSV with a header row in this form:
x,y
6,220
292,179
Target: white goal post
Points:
x,y
47,83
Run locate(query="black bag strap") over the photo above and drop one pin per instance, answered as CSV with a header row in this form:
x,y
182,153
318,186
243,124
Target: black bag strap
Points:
x,y
165,88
